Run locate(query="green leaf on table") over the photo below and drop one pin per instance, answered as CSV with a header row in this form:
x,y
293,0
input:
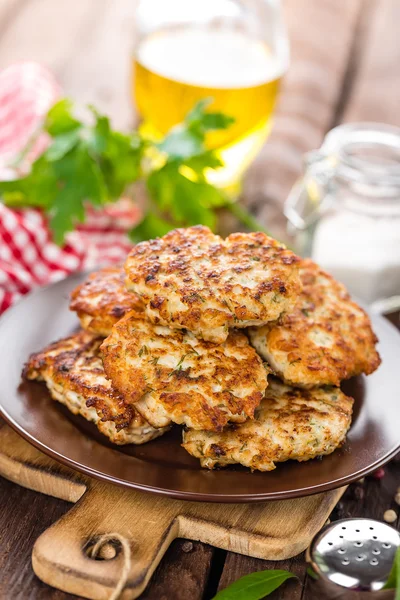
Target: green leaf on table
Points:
x,y
254,586
311,573
393,581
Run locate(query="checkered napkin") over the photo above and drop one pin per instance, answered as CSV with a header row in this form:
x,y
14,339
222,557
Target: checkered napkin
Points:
x,y
28,256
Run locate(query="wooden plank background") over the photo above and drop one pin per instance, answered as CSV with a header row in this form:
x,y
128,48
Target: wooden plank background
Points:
x,y
344,67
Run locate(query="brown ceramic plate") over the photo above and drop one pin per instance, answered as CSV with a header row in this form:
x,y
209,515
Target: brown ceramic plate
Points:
x,y
162,466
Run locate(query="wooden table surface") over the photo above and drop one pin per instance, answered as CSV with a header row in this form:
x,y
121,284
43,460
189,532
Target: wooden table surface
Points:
x,y
345,57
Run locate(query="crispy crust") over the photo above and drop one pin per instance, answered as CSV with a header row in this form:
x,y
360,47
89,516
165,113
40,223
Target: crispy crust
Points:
x,y
289,424
325,339
74,375
172,376
102,299
195,280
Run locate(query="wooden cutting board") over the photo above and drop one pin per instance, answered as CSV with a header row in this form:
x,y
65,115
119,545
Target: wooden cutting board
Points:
x,y
269,530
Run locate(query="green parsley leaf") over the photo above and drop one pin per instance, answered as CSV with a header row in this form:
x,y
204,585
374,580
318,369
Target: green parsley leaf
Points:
x,y
211,197
182,198
60,120
79,180
90,163
119,155
186,140
205,160
150,227
35,189
178,188
198,110
81,172
62,145
66,212
254,586
99,137
83,164
181,143
199,121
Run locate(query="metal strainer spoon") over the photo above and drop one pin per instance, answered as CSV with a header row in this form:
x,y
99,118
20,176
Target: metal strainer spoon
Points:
x,y
354,553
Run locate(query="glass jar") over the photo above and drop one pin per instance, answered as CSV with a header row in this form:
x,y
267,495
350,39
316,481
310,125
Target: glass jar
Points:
x,y
345,212
231,51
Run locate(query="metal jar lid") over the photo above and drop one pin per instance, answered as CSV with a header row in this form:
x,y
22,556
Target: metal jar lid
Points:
x,y
354,553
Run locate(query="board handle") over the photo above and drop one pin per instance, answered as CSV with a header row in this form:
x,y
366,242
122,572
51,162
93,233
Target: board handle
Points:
x,y
61,555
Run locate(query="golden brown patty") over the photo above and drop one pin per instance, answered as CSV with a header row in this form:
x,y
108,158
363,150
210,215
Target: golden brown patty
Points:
x,y
326,338
74,375
102,299
172,376
289,424
194,279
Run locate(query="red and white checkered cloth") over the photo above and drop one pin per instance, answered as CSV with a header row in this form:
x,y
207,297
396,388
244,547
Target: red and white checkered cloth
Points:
x,y
28,256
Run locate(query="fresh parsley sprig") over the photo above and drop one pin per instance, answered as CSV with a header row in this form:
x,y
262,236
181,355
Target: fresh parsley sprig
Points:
x,y
84,163
179,193
87,162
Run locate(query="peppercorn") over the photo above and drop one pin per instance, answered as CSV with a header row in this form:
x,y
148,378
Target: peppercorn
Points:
x,y
379,474
187,546
390,516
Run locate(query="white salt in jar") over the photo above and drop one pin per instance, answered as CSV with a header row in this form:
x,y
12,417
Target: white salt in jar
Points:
x,y
345,212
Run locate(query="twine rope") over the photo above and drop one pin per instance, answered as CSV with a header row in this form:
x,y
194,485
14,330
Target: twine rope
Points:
x,y
126,552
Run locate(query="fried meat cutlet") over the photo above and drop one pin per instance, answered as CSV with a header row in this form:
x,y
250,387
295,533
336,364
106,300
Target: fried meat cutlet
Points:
x,y
193,279
290,423
102,299
172,376
74,374
326,337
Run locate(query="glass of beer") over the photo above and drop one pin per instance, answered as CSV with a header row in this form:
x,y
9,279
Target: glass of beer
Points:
x,y
233,51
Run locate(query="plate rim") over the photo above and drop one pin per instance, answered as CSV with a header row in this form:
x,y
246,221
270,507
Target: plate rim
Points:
x,y
180,494
198,496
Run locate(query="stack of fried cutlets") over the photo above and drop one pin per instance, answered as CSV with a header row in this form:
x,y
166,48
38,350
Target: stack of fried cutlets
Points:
x,y
238,340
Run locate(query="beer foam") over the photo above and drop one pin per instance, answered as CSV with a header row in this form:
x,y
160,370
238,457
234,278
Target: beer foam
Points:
x,y
214,58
